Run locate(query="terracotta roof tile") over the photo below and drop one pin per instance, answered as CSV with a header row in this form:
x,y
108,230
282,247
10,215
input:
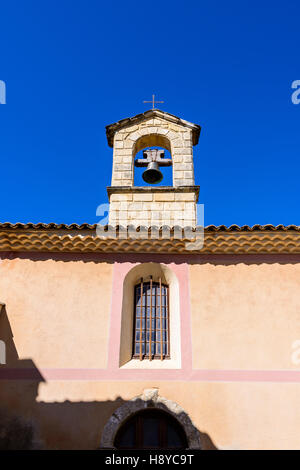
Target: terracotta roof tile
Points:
x,y
208,228
83,238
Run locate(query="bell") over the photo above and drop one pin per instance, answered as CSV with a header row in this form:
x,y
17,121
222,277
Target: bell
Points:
x,y
152,175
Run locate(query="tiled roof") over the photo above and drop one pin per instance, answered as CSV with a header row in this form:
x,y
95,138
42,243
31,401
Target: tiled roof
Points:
x,y
111,129
208,228
83,238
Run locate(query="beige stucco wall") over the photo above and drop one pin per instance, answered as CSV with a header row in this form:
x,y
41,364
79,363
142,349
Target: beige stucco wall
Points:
x,y
58,310
230,416
244,315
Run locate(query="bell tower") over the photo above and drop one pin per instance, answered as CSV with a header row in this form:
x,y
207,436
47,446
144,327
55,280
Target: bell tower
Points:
x,y
153,205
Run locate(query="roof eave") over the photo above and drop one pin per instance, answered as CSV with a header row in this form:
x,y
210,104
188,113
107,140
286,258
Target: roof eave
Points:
x,y
111,129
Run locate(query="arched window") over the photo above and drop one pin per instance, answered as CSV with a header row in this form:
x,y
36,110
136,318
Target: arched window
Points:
x,y
151,320
135,318
151,429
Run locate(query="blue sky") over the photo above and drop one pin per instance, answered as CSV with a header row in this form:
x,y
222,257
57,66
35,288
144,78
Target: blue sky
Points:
x,y
72,67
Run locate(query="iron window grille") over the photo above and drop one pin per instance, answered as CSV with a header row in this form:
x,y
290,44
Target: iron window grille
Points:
x,y
151,338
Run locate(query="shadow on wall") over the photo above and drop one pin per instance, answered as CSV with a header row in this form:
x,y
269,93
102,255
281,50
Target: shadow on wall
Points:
x,y
26,423
164,258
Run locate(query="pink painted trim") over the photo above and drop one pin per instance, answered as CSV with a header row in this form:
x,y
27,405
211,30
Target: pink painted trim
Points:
x,y
120,271
182,273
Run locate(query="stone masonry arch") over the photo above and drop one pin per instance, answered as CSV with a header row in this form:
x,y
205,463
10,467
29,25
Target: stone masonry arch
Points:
x,y
149,399
151,140
132,138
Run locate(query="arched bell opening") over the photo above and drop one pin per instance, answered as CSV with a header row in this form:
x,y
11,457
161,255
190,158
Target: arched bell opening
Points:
x,y
152,173
152,161
151,140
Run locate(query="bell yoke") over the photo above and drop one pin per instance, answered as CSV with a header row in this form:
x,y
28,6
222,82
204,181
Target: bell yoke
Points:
x,y
153,159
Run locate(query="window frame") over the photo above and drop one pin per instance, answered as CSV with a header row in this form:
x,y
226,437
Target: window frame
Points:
x,y
150,356
137,421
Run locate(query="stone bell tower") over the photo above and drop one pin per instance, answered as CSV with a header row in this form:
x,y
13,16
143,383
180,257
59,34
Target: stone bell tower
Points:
x,y
153,205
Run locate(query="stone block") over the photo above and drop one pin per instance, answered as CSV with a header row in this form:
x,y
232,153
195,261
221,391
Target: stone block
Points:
x,y
123,167
135,206
188,158
152,130
144,215
174,206
150,122
177,143
178,174
158,122
184,166
120,197
181,182
187,135
135,135
128,144
175,127
119,144
177,158
125,182
118,136
185,197
189,181
163,131
143,197
121,152
117,175
182,151
131,129
157,206
164,197
172,135
124,205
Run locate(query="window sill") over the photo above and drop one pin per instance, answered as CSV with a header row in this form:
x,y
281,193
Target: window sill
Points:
x,y
152,365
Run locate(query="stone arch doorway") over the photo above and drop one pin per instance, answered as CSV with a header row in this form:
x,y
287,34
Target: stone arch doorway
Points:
x,y
151,429
180,423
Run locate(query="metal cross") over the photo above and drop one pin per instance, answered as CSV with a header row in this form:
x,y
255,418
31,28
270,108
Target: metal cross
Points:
x,y
153,101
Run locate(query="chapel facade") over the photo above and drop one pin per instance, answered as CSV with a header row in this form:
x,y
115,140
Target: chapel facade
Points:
x,y
152,331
